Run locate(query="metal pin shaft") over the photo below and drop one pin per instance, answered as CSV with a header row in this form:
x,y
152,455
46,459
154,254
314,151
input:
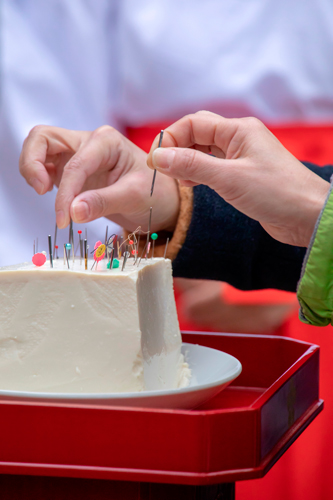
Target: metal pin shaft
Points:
x,y
70,237
50,250
106,243
55,239
148,250
149,224
166,247
126,254
142,254
65,253
154,176
137,249
85,254
111,257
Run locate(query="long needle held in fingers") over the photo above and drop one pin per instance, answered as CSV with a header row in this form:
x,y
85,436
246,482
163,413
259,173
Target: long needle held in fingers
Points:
x,y
55,239
70,239
149,223
154,176
50,250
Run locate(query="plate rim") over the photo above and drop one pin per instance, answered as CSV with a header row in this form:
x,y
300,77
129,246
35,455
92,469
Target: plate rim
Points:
x,y
110,396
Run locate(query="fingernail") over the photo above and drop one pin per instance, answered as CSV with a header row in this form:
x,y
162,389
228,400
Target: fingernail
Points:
x,y
163,157
38,186
80,211
60,219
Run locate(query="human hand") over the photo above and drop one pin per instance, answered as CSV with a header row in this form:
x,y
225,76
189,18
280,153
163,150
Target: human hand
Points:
x,y
202,302
99,173
251,170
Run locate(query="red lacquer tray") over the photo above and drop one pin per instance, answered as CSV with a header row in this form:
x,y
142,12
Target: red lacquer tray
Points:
x,y
237,435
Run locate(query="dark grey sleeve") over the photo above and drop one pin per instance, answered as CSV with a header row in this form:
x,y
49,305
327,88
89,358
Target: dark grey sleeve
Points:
x,y
224,244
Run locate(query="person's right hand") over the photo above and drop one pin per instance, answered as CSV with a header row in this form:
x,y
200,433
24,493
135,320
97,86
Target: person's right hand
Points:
x,y
251,170
99,173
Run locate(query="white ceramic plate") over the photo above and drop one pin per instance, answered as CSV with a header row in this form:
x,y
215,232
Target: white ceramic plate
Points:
x,y
212,371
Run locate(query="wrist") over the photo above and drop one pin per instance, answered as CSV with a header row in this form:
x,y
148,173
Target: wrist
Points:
x,y
313,204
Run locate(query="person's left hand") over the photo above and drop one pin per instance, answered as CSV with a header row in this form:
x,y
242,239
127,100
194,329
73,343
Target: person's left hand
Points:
x,y
99,173
202,302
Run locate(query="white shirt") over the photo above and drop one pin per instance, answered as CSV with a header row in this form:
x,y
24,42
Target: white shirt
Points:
x,y
82,63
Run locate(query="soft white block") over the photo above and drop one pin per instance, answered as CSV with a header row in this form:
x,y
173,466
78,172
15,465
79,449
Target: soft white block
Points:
x,y
89,331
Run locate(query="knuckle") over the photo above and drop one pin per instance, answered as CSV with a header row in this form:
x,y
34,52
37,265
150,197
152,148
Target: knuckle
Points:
x,y
104,131
203,112
107,136
37,130
188,161
252,123
73,165
99,204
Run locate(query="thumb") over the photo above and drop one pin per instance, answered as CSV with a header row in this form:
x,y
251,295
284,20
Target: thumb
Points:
x,y
190,165
91,205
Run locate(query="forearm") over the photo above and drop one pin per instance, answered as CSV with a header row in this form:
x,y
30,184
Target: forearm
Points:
x,y
223,244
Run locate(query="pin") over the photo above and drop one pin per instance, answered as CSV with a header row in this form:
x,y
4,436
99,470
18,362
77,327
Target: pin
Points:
x,y
132,252
166,247
154,237
137,248
142,254
106,241
36,245
56,252
86,254
121,242
34,248
111,244
70,236
148,250
67,246
126,254
50,250
111,258
99,252
80,244
115,264
149,223
55,238
154,176
39,259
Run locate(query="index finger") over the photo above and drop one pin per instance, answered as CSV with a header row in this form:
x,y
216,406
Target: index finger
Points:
x,y
202,128
102,150
44,141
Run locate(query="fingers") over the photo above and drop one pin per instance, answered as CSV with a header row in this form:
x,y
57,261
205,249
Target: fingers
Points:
x,y
91,205
200,129
42,143
100,153
32,162
190,166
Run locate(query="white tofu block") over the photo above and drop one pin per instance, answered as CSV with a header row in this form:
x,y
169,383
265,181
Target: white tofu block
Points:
x,y
99,331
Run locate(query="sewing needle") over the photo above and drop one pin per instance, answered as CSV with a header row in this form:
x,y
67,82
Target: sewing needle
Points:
x,y
154,176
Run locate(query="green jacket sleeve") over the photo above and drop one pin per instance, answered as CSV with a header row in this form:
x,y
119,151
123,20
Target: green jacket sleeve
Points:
x,y
315,288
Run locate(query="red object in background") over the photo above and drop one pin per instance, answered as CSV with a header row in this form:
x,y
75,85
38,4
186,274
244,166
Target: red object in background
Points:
x,y
312,143
304,473
238,434
232,295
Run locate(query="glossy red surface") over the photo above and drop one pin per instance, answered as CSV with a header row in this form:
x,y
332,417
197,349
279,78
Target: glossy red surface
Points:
x,y
237,435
